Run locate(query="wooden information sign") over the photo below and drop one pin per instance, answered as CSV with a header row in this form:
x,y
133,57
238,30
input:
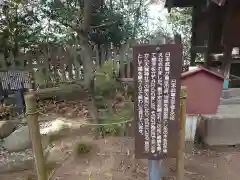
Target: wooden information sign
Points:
x,y
157,86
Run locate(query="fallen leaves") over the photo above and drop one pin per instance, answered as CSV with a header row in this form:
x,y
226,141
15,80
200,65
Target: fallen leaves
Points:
x,y
68,109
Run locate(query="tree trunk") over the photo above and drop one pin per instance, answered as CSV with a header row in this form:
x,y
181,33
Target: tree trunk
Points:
x,y
83,39
87,65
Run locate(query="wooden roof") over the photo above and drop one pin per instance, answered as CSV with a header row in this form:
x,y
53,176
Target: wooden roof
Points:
x,y
199,69
179,3
190,3
215,26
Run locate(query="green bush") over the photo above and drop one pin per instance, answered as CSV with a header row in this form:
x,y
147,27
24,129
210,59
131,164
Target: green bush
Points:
x,y
105,80
100,102
125,113
106,87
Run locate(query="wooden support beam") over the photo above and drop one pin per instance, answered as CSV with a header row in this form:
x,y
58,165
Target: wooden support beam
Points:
x,y
63,90
207,58
181,142
199,49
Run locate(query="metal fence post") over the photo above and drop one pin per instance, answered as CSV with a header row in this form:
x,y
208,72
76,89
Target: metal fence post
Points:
x,y
155,169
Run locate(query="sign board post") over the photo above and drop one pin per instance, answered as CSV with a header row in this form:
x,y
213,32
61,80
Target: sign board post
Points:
x,y
181,143
157,102
155,169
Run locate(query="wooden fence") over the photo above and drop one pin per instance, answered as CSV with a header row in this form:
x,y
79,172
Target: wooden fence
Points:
x,y
64,64
57,64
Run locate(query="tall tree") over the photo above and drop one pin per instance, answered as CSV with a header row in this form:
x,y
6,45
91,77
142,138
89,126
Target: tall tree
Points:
x,y
27,25
180,20
19,27
96,22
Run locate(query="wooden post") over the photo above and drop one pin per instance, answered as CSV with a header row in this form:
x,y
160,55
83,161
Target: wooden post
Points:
x,y
123,61
96,49
181,145
32,120
129,51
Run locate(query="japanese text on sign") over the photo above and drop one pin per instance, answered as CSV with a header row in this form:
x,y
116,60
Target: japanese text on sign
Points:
x,y
157,99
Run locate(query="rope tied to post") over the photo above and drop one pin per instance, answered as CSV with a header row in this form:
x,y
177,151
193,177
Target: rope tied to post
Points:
x,y
32,113
183,97
86,124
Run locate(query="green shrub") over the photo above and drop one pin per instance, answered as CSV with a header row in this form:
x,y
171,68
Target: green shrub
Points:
x,y
105,81
123,114
100,102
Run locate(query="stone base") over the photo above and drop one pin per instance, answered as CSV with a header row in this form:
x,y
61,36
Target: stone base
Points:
x,y
220,132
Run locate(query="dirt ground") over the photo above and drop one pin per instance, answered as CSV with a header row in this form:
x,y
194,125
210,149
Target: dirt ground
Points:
x,y
112,158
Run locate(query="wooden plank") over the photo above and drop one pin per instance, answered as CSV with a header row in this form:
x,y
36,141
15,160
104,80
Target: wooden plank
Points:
x,y
103,55
129,59
62,61
97,56
122,60
199,49
46,64
2,61
231,26
62,91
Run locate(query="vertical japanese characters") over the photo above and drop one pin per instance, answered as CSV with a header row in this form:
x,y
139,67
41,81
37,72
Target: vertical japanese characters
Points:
x,y
153,103
140,93
173,100
166,100
159,101
146,102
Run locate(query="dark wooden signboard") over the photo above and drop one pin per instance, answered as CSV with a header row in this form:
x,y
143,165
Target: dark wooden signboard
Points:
x,y
157,86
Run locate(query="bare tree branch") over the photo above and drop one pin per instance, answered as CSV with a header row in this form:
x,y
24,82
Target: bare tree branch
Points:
x,y
103,25
78,28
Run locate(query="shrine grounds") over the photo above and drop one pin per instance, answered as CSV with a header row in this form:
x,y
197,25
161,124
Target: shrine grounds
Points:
x,y
113,158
